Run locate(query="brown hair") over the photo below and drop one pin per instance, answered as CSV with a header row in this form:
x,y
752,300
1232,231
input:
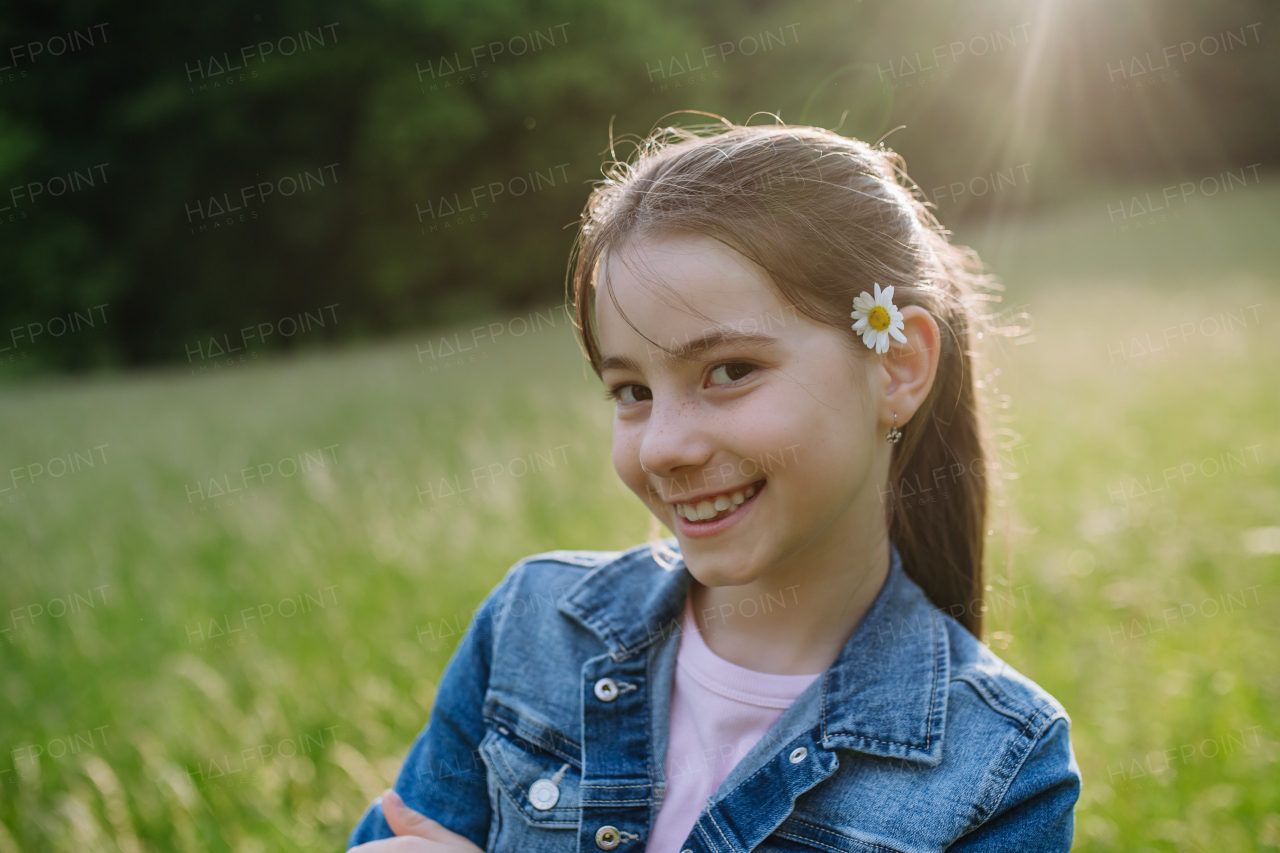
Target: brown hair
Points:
x,y
826,216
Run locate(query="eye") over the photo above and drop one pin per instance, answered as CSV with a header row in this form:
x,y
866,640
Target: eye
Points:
x,y
730,371
628,392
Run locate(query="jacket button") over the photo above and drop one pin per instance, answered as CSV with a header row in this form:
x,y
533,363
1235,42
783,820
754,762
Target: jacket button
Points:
x,y
798,754
608,837
544,794
606,691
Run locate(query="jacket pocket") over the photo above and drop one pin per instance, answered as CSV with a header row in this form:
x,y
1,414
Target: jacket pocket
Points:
x,y
536,792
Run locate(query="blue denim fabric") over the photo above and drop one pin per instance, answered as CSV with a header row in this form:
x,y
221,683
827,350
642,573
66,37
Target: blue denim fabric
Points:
x,y
917,737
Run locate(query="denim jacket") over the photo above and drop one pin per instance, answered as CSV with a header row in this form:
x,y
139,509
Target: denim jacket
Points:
x,y
549,730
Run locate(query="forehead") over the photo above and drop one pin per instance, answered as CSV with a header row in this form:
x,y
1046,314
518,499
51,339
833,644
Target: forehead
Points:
x,y
680,287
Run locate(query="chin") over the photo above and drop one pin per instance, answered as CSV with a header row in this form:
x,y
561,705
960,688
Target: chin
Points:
x,y
712,575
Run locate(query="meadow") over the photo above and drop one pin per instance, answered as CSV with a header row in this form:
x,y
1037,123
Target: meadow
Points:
x,y
222,620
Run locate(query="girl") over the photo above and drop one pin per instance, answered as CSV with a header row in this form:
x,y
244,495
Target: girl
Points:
x,y
788,337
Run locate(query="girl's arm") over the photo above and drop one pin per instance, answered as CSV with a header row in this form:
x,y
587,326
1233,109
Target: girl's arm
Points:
x,y
443,776
1037,812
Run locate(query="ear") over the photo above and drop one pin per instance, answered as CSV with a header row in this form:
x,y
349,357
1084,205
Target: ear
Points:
x,y
910,367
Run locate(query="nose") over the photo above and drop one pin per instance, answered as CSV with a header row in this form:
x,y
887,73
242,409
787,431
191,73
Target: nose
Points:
x,y
676,443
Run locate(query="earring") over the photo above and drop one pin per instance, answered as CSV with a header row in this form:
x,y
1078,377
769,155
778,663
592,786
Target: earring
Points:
x,y
894,435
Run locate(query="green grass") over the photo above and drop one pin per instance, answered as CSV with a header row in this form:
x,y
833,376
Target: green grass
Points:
x,y
352,682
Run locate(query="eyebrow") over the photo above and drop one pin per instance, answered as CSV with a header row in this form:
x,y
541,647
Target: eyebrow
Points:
x,y
691,349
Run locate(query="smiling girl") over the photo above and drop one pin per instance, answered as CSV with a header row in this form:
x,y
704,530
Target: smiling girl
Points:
x,y
789,342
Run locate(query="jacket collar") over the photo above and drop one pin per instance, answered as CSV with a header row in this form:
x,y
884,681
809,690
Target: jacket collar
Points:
x,y
885,694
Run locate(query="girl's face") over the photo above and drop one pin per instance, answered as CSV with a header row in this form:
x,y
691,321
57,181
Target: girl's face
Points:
x,y
764,398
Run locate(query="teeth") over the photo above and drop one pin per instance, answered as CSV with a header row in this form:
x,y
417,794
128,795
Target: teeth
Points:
x,y
707,509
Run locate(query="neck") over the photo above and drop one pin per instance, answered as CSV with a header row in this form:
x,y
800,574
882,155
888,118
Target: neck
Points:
x,y
795,619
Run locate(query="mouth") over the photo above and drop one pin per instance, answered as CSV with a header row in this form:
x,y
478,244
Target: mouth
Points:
x,y
713,508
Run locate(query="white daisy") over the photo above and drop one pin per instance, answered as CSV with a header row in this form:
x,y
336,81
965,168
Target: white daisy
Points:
x,y
878,319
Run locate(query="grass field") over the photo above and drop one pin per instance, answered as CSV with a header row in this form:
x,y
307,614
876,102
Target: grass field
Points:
x,y
182,669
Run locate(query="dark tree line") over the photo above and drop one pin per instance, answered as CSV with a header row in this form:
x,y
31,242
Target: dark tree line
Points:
x,y
183,175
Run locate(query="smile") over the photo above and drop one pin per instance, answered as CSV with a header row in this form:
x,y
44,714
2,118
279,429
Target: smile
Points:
x,y
715,507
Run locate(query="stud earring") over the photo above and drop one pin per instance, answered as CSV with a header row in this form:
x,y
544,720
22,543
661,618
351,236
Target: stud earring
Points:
x,y
894,435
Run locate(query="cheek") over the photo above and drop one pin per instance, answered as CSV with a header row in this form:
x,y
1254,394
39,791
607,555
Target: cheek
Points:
x,y
824,438
626,455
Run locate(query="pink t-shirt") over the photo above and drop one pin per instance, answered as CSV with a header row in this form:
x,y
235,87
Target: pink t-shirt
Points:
x,y
719,711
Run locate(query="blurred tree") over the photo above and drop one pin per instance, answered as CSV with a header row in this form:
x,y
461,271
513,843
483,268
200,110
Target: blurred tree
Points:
x,y
415,162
